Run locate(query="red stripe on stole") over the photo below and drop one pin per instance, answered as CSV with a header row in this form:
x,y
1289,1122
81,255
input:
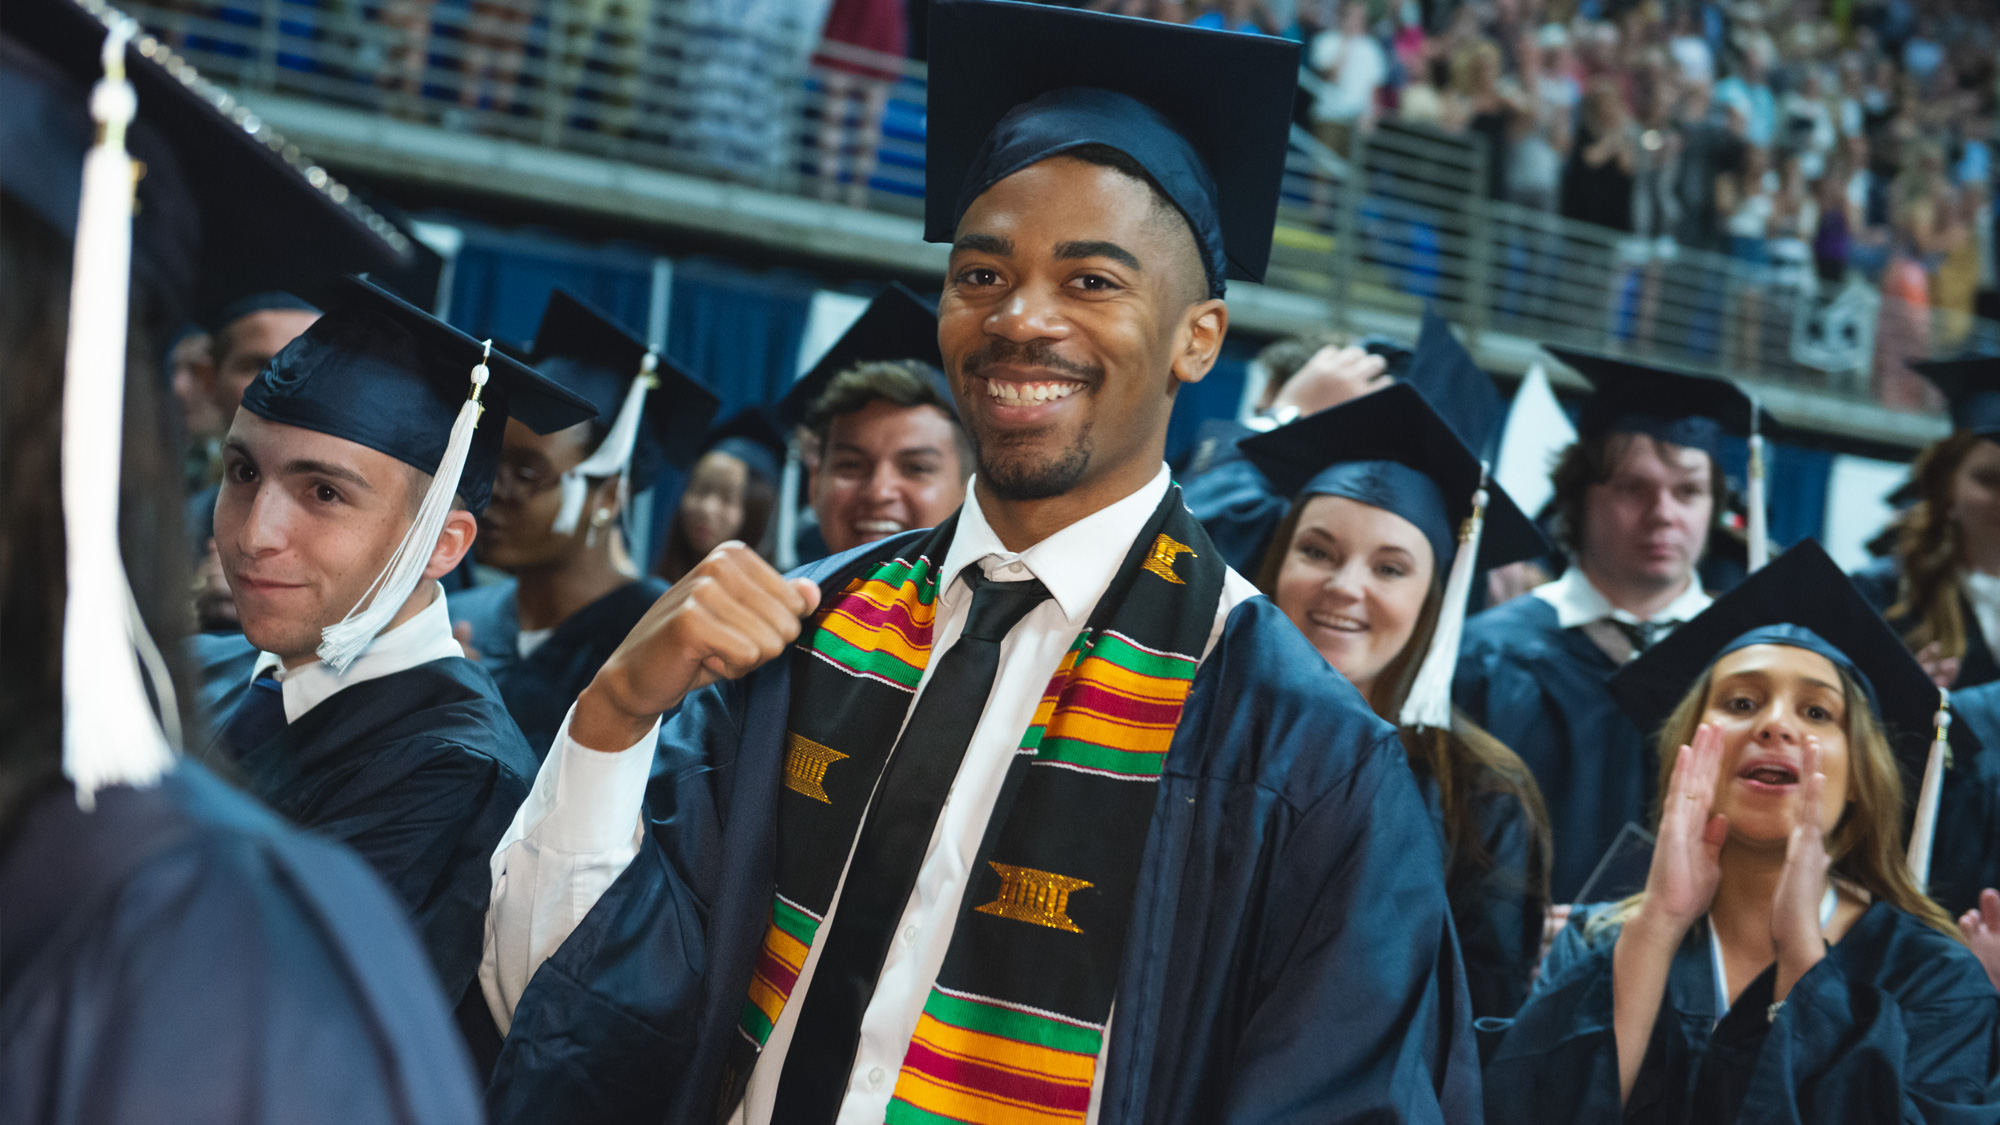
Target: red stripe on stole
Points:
x,y
896,617
1120,706
775,972
1010,1084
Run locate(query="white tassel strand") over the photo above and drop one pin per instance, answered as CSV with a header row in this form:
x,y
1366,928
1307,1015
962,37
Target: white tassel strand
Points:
x,y
110,734
1760,541
614,456
341,643
1927,797
1429,701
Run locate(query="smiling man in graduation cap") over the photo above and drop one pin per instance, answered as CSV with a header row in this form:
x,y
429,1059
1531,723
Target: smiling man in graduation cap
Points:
x,y
556,520
169,950
352,477
1638,495
1040,815
888,453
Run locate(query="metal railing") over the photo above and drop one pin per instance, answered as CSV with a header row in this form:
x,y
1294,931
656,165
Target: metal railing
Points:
x,y
742,90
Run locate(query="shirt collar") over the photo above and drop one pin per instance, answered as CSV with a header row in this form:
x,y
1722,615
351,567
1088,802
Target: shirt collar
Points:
x,y
1578,602
420,640
1076,563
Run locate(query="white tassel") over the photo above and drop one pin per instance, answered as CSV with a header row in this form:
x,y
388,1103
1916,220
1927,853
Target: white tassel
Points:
x,y
110,734
1760,541
341,643
614,456
1927,797
1429,701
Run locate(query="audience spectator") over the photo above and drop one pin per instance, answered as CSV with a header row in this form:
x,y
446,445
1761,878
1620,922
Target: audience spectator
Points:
x,y
1353,67
1599,181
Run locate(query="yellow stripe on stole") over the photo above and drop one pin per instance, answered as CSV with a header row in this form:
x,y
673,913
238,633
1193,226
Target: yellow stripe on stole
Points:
x,y
875,638
787,949
1124,681
1118,734
1005,1054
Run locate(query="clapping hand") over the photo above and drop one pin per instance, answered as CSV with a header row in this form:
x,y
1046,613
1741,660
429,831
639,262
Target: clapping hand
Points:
x,y
1795,906
1981,927
1687,859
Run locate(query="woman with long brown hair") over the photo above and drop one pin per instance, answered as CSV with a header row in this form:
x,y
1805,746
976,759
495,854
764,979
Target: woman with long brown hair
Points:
x,y
1383,492
1782,962
1940,584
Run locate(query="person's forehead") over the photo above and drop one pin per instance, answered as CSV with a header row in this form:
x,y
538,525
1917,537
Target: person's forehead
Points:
x,y
1062,199
275,444
884,428
1777,660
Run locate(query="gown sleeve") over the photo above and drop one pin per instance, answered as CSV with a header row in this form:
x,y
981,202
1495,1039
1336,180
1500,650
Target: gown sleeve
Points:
x,y
1916,1041
1559,1062
222,986
1365,1018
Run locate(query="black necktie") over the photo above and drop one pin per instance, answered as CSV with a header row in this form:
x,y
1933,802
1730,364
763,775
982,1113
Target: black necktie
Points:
x,y
890,849
1642,634
258,717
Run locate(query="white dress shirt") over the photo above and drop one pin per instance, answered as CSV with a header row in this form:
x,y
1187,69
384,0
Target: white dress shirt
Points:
x,y
1578,603
580,826
420,640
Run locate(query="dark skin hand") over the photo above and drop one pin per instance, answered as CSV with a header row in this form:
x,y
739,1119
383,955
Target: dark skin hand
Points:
x,y
1074,307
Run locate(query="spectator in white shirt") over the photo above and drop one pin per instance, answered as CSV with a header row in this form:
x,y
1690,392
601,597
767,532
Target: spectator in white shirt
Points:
x,y
1352,66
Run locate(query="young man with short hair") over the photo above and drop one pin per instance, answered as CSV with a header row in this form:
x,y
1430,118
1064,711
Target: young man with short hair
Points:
x,y
892,457
1637,497
353,475
902,860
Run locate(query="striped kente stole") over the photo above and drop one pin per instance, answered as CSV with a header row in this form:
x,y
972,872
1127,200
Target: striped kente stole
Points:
x,y
1014,1023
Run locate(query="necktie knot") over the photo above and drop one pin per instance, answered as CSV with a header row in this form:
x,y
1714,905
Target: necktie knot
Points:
x,y
999,606
1643,634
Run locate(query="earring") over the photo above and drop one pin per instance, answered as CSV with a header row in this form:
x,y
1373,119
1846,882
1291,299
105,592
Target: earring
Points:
x,y
599,519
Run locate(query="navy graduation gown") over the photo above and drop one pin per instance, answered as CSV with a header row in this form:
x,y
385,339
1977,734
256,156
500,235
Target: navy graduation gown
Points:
x,y
420,771
539,688
1497,909
1897,1023
1540,689
1239,509
180,955
1878,582
1290,956
223,663
1965,852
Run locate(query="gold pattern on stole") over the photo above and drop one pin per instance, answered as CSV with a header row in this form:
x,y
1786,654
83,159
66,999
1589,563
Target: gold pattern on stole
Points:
x,y
1040,897
1161,560
805,766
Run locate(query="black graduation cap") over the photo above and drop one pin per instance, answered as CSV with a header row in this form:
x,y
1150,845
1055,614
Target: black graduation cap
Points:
x,y
1456,386
1633,397
268,301
1803,599
751,437
227,206
378,371
1971,386
896,326
1391,450
1208,114
583,349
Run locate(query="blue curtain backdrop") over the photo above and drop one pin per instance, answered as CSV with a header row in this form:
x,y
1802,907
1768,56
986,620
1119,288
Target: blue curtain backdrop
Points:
x,y
738,329
501,279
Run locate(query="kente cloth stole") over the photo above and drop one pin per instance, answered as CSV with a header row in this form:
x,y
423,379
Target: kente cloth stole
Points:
x,y
1012,1028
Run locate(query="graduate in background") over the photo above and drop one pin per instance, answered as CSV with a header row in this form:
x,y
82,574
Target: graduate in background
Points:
x,y
1940,587
353,477
1239,507
1781,964
1123,776
169,952
1384,495
556,522
730,494
880,439
1637,497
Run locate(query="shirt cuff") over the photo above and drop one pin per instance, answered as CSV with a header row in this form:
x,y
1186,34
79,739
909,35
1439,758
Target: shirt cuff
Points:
x,y
598,794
